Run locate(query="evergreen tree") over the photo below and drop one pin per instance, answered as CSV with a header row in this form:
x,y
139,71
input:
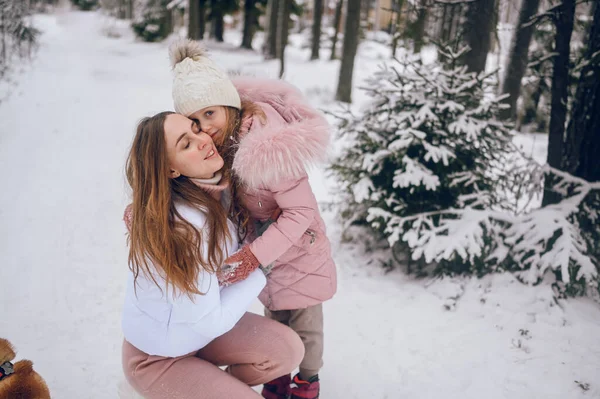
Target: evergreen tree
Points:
x,y
428,144
154,21
18,38
429,167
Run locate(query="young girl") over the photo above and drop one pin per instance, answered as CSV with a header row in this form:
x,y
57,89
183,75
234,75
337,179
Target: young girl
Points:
x,y
268,136
179,325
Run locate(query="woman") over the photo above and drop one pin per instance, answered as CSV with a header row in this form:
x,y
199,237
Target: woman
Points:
x,y
179,325
269,135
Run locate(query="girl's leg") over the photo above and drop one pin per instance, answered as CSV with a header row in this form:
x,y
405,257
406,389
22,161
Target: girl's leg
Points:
x,y
185,377
308,323
256,350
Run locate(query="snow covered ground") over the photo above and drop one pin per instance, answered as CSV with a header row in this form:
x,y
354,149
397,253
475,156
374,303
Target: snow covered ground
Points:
x,y
64,133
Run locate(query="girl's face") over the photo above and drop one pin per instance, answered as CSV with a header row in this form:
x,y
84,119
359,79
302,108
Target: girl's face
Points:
x,y
212,121
191,152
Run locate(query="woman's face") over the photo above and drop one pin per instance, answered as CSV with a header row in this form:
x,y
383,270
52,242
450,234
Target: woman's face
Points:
x,y
212,121
191,152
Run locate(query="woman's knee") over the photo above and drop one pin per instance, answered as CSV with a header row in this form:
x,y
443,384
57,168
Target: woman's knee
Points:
x,y
291,351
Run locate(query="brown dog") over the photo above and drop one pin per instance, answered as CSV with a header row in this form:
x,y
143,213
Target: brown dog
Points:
x,y
19,381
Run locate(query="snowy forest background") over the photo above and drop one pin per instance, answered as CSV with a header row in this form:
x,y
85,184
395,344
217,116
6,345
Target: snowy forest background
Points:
x,y
462,193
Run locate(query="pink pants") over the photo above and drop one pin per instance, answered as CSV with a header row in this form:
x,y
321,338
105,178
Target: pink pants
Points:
x,y
255,351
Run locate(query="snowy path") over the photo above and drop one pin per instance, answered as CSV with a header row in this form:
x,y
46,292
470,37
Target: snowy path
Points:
x,y
64,133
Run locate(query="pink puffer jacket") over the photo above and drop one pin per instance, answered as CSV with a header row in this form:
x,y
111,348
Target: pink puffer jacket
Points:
x,y
271,161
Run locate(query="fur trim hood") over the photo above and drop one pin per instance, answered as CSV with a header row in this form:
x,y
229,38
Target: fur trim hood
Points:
x,y
294,137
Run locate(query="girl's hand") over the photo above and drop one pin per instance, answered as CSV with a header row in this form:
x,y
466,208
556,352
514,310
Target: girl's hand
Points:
x,y
238,267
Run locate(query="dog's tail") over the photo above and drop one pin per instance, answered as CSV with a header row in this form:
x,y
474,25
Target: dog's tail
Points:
x,y
7,351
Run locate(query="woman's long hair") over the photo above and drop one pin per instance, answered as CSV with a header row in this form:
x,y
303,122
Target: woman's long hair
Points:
x,y
159,236
228,148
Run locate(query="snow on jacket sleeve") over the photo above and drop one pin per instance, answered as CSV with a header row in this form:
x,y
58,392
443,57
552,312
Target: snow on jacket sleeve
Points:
x,y
298,209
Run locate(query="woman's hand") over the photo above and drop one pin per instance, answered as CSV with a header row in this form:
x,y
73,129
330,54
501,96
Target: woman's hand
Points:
x,y
237,267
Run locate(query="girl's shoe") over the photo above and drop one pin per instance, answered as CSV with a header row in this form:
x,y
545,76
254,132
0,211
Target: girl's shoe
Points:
x,y
306,389
279,388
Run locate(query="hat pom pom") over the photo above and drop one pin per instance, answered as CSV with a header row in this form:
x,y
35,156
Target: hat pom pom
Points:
x,y
185,48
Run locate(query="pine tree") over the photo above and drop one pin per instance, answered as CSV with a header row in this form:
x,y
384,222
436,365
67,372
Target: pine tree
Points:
x,y
18,38
429,167
428,144
154,21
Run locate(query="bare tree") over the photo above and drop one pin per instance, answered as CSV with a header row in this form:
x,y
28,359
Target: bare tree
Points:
x,y
564,18
517,61
336,28
316,29
344,89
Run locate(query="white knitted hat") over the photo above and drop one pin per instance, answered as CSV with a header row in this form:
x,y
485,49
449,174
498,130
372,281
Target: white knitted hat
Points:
x,y
197,81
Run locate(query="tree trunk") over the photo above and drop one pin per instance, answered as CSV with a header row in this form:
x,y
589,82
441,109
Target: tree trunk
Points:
x,y
418,29
121,11
517,61
367,11
217,23
282,34
560,85
445,30
249,23
270,45
582,144
194,20
316,29
398,4
201,18
130,9
336,28
344,89
478,28
169,25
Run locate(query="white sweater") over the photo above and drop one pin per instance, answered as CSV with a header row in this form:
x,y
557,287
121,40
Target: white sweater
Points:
x,y
158,324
